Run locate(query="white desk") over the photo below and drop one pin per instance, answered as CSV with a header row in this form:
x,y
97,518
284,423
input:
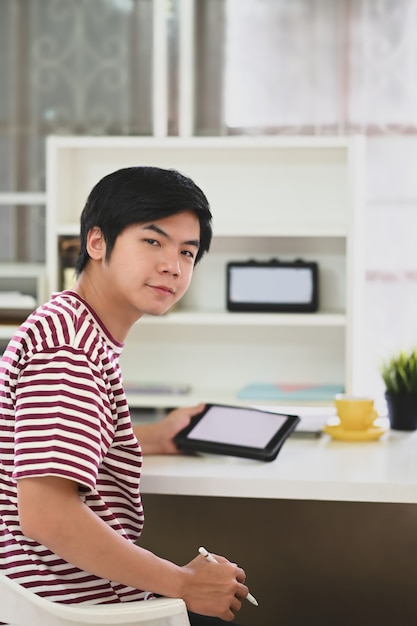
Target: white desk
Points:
x,y
339,519
317,469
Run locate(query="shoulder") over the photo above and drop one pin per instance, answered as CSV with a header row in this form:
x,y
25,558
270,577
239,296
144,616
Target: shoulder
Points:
x,y
63,325
61,317
63,320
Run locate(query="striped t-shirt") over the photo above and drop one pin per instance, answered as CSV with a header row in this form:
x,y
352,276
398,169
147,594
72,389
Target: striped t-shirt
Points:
x,y
63,412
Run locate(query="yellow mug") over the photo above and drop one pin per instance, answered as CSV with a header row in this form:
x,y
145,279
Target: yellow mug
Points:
x,y
355,413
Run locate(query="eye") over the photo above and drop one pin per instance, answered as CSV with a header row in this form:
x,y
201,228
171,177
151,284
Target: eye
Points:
x,y
188,253
152,242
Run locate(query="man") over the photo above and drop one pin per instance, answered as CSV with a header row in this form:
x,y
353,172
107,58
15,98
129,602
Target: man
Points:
x,y
70,458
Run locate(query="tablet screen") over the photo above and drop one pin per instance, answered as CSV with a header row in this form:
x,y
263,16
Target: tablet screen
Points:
x,y
237,426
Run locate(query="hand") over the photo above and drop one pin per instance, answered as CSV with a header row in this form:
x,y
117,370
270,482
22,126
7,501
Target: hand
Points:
x,y
157,438
214,589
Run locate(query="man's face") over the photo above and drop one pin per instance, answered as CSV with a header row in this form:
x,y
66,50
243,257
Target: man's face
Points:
x,y
151,264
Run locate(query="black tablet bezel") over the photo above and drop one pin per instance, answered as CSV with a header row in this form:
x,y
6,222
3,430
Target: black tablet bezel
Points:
x,y
268,453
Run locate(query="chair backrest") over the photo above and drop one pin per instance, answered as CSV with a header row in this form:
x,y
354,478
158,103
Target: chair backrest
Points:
x,y
21,607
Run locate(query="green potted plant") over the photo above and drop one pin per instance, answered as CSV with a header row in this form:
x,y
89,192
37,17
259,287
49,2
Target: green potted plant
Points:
x,y
399,374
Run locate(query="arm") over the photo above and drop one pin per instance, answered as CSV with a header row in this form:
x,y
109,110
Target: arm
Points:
x,y
52,513
156,438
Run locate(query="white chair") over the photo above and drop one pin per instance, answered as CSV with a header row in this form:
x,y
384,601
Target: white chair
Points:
x,y
20,607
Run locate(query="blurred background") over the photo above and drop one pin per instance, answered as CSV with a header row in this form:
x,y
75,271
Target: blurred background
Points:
x,y
223,67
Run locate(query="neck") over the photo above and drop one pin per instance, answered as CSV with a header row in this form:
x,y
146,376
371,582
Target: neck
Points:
x,y
105,305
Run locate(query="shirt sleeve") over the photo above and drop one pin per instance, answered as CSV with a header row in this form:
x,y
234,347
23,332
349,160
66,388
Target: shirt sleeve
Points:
x,y
60,417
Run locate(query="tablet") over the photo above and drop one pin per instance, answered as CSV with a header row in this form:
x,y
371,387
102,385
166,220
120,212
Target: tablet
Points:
x,y
237,431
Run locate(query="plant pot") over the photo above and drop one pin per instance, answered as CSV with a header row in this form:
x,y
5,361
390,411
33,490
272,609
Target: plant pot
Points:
x,y
402,410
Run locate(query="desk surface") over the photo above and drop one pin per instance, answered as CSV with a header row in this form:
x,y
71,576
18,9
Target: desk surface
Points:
x,y
318,469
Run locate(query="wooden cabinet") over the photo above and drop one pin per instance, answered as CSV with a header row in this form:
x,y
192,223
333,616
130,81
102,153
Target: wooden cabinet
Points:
x,y
271,197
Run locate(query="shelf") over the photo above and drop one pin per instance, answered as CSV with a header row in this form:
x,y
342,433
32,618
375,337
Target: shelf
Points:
x,y
248,229
22,289
271,198
296,186
115,143
7,331
192,398
225,318
70,230
33,270
297,229
198,395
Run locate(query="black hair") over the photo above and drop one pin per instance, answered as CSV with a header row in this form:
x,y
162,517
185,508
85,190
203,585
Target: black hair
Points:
x,y
141,194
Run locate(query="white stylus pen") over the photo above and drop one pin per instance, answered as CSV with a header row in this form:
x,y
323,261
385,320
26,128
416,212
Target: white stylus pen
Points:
x,y
211,558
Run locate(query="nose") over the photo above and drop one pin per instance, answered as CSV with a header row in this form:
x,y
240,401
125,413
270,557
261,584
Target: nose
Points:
x,y
171,265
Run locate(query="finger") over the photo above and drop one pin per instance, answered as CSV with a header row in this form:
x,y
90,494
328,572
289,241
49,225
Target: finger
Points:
x,y
240,574
236,605
220,559
242,592
197,409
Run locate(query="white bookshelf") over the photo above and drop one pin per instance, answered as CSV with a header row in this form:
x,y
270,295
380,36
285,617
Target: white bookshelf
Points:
x,y
271,197
22,289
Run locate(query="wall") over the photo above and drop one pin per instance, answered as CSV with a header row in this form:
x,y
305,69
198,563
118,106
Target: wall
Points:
x,y
390,224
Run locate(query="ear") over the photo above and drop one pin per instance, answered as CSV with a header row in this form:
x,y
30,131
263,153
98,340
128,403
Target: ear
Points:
x,y
96,246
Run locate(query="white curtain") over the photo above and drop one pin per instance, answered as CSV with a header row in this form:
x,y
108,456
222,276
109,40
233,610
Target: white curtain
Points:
x,y
320,66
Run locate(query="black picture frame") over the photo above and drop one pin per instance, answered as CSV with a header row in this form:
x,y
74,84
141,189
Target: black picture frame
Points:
x,y
298,292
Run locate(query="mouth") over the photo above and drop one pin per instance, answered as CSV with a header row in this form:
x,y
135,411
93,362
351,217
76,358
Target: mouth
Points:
x,y
163,290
